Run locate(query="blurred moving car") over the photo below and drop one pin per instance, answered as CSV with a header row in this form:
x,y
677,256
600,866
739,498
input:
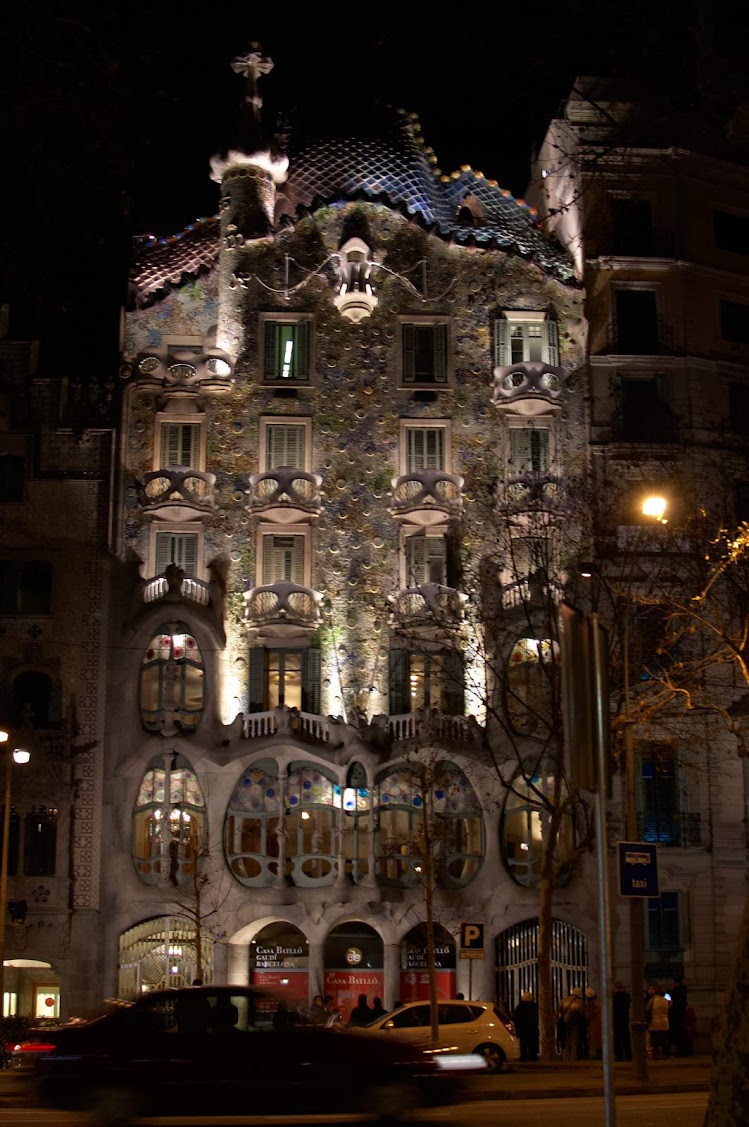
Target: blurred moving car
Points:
x,y
216,1050
464,1027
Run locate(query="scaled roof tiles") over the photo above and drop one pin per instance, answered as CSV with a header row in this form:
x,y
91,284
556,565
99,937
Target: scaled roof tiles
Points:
x,y
392,168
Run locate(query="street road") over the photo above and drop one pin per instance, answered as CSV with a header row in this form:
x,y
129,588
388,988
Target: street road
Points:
x,y
661,1110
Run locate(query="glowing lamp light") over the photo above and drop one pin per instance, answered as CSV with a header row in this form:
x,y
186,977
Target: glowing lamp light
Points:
x,y
654,506
20,755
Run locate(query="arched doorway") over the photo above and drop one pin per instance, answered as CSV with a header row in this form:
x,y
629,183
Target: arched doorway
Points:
x,y
279,962
354,965
160,953
517,960
414,977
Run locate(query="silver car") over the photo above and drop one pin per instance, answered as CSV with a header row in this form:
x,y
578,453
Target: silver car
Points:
x,y
464,1027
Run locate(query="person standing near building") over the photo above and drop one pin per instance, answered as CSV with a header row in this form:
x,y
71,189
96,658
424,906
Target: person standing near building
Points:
x,y
677,1018
621,1005
658,1008
572,1014
361,1013
594,1024
525,1016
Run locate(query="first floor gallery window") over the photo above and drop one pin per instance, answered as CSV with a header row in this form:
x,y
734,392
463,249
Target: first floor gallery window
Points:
x,y
168,822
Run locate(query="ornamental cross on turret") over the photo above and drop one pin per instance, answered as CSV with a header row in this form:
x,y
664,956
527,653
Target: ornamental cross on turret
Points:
x,y
252,65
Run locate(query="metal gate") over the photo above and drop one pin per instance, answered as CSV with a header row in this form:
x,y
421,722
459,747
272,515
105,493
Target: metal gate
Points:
x,y
517,961
161,953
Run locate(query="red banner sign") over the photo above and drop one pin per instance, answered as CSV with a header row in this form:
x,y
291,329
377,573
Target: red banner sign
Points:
x,y
346,986
414,985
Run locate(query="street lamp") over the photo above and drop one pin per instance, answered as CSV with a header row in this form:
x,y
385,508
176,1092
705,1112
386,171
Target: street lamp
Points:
x,y
18,755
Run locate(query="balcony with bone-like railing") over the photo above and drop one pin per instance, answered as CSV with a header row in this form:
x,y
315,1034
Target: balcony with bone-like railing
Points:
x,y
285,495
175,585
178,493
427,496
432,725
431,604
531,496
283,608
285,721
528,388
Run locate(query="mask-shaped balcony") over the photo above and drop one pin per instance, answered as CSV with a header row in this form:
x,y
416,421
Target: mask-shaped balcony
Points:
x,y
178,493
285,495
531,498
431,604
529,388
283,608
427,496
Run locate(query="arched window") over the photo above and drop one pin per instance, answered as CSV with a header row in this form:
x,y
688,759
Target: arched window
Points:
x,y
456,825
40,842
169,828
311,826
524,823
35,701
251,828
530,684
171,690
354,800
161,953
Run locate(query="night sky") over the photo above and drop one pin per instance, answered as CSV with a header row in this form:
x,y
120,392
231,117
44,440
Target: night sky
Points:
x,y
109,114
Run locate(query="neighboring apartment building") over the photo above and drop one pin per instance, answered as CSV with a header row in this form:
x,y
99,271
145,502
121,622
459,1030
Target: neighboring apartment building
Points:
x,y
55,474
660,236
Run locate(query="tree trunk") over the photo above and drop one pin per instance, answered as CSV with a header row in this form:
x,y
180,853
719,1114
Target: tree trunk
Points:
x,y
728,1105
547,1025
429,874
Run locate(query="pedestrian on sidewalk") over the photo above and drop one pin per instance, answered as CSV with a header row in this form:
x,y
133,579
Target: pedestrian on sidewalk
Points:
x,y
572,1015
525,1016
594,1024
621,1004
677,1018
658,1008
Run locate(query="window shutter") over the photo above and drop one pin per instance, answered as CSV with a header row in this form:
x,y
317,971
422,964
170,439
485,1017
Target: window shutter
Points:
x,y
301,350
416,555
552,343
440,353
520,449
188,551
501,342
454,687
311,681
540,450
257,679
398,668
267,575
434,446
436,559
409,353
415,456
284,446
169,446
164,541
271,350
297,567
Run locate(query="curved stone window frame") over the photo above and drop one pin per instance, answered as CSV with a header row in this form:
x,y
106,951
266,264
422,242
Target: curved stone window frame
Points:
x,y
400,825
169,822
252,826
524,815
171,681
312,823
528,713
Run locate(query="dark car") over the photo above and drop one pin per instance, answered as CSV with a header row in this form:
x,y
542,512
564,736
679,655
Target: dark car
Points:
x,y
217,1051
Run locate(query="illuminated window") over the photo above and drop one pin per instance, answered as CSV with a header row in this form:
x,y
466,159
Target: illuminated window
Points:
x,y
168,822
286,349
311,825
287,677
251,827
455,825
521,337
429,680
524,825
171,690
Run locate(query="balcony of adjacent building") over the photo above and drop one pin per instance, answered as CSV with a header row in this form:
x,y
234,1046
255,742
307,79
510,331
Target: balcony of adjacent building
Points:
x,y
642,413
427,496
285,495
637,327
679,829
178,493
283,609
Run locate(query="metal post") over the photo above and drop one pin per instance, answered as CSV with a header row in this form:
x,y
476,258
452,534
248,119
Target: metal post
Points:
x,y
601,714
4,873
638,1023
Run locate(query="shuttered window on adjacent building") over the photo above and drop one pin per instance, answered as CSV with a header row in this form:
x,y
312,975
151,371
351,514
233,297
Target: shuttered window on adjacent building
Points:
x,y
284,446
180,548
424,353
425,449
664,924
180,445
286,350
283,559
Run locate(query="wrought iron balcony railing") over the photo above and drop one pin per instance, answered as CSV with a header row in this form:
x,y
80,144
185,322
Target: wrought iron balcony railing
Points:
x,y
680,829
285,494
283,605
427,496
178,493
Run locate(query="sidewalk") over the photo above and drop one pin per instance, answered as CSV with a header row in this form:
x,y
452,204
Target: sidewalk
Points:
x,y
520,1081
585,1078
